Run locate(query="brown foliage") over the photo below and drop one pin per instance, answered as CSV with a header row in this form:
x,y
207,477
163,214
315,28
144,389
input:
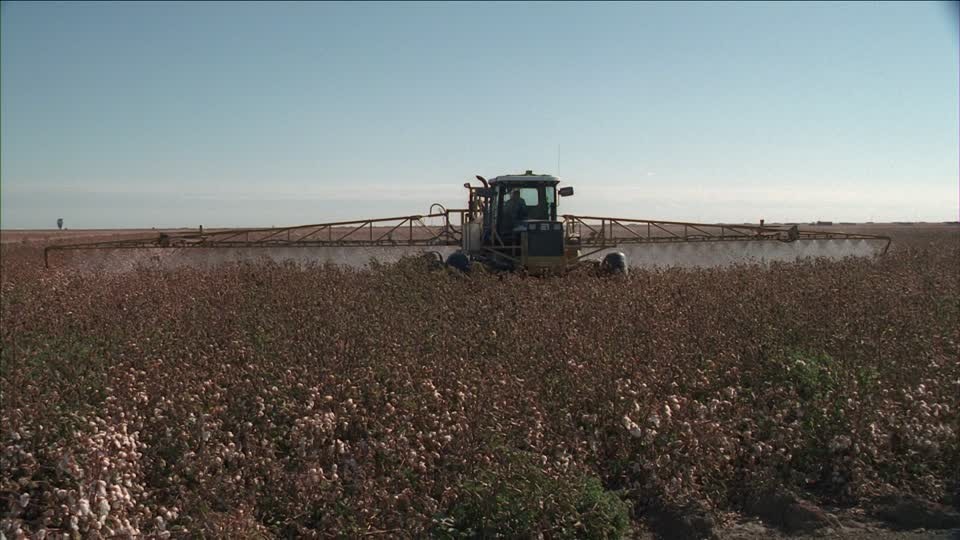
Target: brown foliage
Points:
x,y
280,400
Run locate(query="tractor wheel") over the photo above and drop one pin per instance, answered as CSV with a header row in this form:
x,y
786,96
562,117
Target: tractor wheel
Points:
x,y
459,261
615,263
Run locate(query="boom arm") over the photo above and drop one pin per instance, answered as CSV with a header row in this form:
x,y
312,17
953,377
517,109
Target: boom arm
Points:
x,y
590,233
608,232
384,232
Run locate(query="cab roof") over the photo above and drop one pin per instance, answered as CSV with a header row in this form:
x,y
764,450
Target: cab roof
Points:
x,y
529,177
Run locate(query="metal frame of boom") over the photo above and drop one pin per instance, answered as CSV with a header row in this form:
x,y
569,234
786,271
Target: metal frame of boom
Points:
x,y
401,231
602,233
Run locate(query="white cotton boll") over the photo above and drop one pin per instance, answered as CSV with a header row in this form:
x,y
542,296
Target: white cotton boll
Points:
x,y
632,427
15,530
654,419
84,506
103,509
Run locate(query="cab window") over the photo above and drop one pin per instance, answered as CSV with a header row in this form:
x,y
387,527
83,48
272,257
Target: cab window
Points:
x,y
536,209
530,196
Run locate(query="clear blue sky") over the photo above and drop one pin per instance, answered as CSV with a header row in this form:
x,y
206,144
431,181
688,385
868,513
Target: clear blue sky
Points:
x,y
228,114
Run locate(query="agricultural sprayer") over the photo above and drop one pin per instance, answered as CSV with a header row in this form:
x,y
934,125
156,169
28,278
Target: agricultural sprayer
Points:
x,y
512,222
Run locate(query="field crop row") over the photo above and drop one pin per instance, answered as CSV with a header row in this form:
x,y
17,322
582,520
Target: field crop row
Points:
x,y
278,400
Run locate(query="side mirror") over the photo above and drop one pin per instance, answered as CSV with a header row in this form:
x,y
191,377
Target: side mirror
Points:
x,y
483,192
566,191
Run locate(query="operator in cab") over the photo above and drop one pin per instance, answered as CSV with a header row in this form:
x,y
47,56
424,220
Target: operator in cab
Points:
x,y
515,212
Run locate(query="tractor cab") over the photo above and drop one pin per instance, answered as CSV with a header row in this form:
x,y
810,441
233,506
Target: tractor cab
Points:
x,y
515,221
518,201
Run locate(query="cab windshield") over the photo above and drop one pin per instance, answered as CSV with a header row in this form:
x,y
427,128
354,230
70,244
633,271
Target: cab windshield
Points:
x,y
540,200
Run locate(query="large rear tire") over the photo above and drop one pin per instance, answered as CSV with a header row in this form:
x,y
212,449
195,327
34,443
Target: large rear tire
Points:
x,y
615,263
459,260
